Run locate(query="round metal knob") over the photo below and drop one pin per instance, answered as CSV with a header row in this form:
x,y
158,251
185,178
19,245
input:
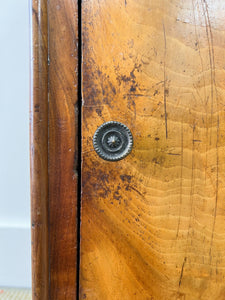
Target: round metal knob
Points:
x,y
113,141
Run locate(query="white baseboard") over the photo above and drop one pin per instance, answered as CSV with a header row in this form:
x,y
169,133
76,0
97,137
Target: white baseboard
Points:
x,y
15,256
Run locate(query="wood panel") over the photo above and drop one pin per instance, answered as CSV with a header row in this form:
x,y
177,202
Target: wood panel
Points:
x,y
63,147
39,151
153,224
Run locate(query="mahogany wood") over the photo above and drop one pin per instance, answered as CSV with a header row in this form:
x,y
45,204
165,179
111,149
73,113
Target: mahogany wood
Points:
x,y
39,151
63,116
54,157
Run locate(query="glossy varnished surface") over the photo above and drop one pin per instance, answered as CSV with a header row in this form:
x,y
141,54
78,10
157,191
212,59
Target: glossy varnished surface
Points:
x,y
153,224
63,115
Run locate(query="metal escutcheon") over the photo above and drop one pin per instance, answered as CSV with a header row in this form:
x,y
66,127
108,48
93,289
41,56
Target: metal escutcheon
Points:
x,y
113,141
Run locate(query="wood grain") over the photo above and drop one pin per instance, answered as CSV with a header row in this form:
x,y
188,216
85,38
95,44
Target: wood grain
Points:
x,y
54,158
63,116
153,224
39,151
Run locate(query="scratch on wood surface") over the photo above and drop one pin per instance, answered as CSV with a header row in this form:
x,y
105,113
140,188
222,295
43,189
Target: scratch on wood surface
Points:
x,y
217,188
209,36
182,271
200,55
136,190
165,80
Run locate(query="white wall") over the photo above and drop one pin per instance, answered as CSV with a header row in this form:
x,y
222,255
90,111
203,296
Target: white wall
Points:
x,y
14,144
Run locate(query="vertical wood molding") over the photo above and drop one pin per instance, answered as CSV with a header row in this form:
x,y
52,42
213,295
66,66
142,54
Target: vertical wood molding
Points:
x,y
39,150
53,148
63,156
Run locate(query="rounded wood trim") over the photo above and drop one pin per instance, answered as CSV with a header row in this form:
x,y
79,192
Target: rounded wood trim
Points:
x,y
39,150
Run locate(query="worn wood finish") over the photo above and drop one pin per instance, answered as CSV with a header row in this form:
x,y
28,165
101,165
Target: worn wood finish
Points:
x,y
39,150
54,135
153,224
63,114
